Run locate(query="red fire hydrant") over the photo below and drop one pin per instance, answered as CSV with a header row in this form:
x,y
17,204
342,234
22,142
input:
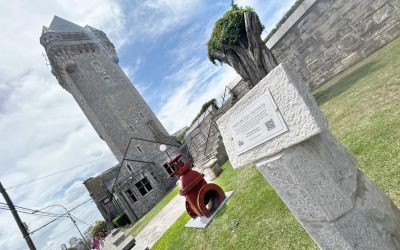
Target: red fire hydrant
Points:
x,y
202,198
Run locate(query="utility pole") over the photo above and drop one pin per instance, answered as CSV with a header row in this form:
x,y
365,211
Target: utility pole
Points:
x,y
77,228
17,218
70,216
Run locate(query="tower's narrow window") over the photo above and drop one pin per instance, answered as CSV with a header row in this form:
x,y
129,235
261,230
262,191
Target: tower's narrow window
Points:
x,y
144,186
108,81
97,66
139,149
132,128
141,114
137,121
129,167
131,195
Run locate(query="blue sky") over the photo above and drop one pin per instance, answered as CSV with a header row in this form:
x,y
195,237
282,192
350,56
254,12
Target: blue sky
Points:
x,y
162,46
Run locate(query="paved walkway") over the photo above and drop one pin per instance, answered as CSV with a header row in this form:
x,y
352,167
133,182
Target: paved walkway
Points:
x,y
162,221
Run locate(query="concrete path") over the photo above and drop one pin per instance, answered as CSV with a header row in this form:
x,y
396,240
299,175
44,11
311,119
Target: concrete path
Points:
x,y
161,222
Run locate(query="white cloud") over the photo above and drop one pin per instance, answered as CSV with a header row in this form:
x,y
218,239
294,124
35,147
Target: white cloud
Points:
x,y
43,130
22,21
200,82
264,9
148,20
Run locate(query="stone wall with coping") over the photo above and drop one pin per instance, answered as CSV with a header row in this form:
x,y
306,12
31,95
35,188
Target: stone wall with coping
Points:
x,y
203,139
324,37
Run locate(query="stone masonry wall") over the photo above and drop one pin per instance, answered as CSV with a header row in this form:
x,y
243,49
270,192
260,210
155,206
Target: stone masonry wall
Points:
x,y
203,139
324,37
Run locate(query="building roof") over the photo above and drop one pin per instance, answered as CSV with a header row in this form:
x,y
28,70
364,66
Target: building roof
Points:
x,y
61,25
109,176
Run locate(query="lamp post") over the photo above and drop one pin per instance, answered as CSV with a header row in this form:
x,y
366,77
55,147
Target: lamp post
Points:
x,y
163,148
70,216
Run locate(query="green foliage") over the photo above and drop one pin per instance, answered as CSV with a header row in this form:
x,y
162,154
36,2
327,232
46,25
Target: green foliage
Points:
x,y
204,108
254,218
181,136
99,226
362,105
228,30
121,220
283,19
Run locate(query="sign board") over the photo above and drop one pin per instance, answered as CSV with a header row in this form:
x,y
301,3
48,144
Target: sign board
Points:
x,y
258,123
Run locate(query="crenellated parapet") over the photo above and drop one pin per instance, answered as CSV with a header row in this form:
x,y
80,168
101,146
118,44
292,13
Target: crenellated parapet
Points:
x,y
62,47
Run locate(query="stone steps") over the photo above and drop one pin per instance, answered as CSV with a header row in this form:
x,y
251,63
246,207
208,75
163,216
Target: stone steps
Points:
x,y
117,240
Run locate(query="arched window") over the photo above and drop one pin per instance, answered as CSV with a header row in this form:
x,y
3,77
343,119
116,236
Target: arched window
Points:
x,y
129,167
97,66
108,81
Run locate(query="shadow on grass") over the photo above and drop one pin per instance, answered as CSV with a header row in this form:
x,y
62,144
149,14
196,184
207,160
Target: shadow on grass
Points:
x,y
345,82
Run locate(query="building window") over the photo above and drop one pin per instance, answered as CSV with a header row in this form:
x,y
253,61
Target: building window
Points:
x,y
129,167
97,66
137,121
139,149
168,168
144,186
132,128
130,194
141,115
108,80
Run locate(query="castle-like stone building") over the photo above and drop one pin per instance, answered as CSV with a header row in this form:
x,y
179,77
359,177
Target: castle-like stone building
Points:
x,y
85,63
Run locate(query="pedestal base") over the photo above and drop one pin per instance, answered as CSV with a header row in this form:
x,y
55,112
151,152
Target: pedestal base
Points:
x,y
202,221
331,198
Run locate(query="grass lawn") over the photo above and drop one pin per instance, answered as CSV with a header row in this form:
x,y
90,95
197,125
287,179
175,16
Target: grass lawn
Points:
x,y
138,226
254,218
363,108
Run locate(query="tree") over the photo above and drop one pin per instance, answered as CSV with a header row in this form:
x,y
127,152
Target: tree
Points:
x,y
236,41
99,226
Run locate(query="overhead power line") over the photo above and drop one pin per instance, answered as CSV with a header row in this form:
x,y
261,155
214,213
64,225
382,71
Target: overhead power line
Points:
x,y
48,223
17,219
38,215
58,172
32,210
82,221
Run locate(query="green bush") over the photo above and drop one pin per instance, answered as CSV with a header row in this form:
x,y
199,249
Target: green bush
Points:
x,y
181,136
99,226
121,220
204,108
228,30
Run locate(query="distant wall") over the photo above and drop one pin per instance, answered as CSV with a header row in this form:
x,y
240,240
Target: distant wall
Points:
x,y
324,37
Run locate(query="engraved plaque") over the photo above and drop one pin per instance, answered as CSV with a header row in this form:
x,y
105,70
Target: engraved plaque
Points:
x,y
258,123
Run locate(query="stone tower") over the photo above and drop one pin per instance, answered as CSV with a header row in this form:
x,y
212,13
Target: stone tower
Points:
x,y
85,63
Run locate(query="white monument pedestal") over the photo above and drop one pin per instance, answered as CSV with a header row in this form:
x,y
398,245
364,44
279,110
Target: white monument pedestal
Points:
x,y
202,221
278,126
